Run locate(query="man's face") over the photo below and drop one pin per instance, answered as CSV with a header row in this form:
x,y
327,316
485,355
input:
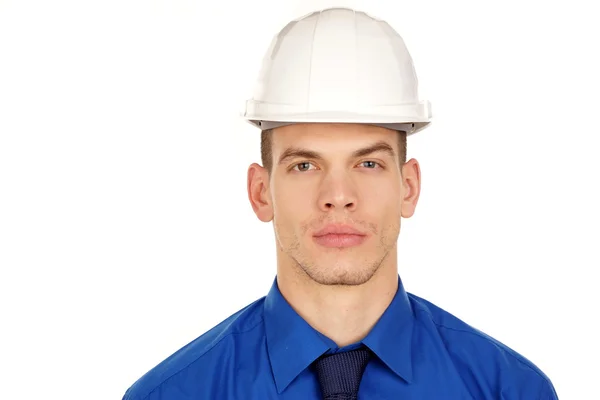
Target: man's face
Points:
x,y
342,185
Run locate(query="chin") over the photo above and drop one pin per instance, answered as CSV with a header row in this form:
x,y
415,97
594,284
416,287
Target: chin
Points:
x,y
341,275
339,267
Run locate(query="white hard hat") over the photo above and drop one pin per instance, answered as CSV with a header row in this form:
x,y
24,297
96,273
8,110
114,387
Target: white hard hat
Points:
x,y
338,65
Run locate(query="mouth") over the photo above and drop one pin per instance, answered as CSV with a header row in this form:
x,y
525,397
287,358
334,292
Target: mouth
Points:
x,y
339,240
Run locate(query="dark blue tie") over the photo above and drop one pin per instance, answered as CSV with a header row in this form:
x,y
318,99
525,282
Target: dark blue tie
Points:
x,y
340,374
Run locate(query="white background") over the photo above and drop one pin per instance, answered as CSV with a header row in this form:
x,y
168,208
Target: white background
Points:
x,y
125,229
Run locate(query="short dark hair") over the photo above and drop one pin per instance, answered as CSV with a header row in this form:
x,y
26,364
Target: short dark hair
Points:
x,y
266,150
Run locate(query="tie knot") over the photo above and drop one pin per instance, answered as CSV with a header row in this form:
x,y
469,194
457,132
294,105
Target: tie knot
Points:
x,y
340,374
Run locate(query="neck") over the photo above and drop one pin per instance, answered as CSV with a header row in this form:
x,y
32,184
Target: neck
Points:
x,y
345,314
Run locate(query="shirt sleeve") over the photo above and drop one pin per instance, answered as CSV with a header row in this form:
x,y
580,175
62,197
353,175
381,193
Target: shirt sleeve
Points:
x,y
129,395
547,391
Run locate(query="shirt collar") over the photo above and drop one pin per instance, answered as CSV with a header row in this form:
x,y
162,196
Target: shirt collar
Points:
x,y
293,344
391,337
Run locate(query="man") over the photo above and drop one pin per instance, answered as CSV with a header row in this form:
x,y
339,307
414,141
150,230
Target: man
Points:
x,y
336,100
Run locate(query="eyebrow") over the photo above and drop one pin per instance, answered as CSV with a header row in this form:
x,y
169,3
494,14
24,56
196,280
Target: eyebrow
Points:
x,y
298,152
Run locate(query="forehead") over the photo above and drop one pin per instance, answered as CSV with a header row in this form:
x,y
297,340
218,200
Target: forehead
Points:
x,y
324,135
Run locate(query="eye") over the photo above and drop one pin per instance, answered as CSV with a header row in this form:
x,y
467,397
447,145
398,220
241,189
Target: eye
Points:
x,y
371,164
303,166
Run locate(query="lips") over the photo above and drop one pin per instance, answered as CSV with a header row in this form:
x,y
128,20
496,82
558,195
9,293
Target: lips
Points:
x,y
338,229
339,236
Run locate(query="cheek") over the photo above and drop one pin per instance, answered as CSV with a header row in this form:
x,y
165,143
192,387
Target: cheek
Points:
x,y
382,206
383,193
292,202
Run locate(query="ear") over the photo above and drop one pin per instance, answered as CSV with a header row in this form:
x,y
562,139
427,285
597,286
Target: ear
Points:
x,y
258,192
411,184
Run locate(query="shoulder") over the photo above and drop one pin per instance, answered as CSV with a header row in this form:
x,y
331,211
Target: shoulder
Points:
x,y
481,360
200,355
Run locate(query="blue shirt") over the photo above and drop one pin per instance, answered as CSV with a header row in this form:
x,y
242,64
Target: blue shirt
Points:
x,y
265,351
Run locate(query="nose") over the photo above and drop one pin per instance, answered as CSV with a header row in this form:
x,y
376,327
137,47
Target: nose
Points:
x,y
338,192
